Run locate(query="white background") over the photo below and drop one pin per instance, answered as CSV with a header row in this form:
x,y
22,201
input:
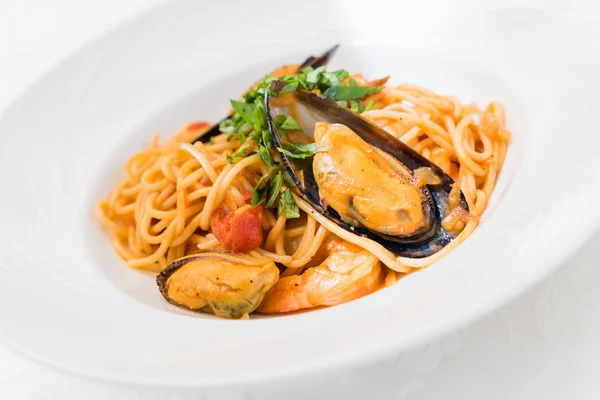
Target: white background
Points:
x,y
543,345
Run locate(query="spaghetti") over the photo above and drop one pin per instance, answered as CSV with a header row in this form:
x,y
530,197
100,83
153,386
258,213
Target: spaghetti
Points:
x,y
165,207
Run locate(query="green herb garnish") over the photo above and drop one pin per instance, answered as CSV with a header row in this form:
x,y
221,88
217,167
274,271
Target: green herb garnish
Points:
x,y
266,155
350,92
290,87
231,159
245,110
250,118
286,123
300,150
287,205
260,192
288,179
273,189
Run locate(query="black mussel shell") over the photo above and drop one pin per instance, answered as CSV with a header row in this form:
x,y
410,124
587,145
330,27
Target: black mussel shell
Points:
x,y
307,109
311,61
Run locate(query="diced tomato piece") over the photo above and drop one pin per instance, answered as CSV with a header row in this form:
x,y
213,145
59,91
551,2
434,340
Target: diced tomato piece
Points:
x,y
238,231
194,126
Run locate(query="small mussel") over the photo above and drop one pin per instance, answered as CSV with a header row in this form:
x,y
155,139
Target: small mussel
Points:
x,y
311,61
225,284
364,179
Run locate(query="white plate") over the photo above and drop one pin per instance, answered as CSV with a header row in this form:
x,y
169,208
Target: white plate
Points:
x,y
69,302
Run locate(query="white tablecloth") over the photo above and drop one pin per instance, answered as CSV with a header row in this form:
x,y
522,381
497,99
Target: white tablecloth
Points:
x,y
543,345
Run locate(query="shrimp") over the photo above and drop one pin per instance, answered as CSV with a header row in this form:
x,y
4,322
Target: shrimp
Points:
x,y
348,273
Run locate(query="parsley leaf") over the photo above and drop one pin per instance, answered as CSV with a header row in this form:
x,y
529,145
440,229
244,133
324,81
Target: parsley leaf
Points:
x,y
290,87
332,78
266,139
265,155
293,150
341,74
342,92
245,110
314,75
227,126
259,194
357,106
279,120
290,124
288,179
240,153
259,117
370,105
245,127
286,123
287,205
350,92
273,190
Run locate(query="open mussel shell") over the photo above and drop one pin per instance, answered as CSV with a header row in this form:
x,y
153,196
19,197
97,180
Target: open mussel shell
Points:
x,y
228,285
319,61
308,109
311,61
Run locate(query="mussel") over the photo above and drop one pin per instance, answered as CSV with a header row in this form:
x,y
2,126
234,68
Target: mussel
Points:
x,y
228,285
362,178
311,61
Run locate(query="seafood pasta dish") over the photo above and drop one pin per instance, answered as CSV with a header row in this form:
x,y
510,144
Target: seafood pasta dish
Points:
x,y
320,187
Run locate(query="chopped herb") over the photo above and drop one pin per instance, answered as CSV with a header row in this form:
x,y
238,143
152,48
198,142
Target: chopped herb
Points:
x,y
341,74
357,106
287,205
259,193
370,105
288,179
227,126
332,78
259,117
350,92
245,127
240,153
314,75
299,150
290,87
266,139
273,189
265,155
246,110
279,120
211,140
290,124
287,124
307,70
